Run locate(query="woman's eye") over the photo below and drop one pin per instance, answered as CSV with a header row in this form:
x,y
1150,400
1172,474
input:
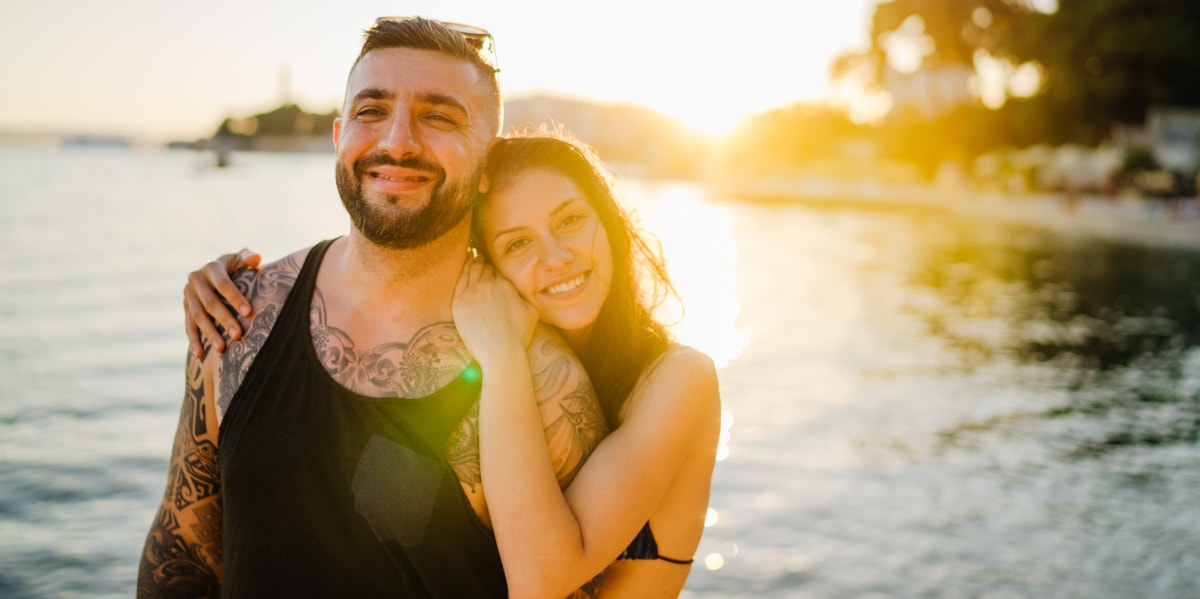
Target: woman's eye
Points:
x,y
570,219
515,245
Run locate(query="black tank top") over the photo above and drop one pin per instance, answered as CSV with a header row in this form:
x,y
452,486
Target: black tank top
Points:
x,y
328,493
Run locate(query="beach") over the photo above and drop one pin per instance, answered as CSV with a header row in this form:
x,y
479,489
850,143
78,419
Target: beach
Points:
x,y
1173,223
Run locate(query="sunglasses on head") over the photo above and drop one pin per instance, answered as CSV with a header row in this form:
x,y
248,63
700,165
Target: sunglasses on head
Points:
x,y
478,37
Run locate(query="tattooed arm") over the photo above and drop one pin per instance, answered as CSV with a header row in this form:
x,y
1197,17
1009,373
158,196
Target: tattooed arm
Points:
x,y
572,422
182,555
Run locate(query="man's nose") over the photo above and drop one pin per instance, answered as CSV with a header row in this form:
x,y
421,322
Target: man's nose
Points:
x,y
402,138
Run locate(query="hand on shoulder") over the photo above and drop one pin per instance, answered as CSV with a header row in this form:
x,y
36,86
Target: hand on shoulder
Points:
x,y
222,298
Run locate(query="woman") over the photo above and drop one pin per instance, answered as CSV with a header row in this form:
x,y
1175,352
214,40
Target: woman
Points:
x,y
556,246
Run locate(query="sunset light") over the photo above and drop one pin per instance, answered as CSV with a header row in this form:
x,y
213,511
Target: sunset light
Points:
x,y
934,328
708,68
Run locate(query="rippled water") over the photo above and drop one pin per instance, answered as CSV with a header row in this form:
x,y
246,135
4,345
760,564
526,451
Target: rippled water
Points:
x,y
920,407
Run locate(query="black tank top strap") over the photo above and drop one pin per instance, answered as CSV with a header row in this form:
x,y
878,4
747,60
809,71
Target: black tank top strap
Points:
x,y
299,299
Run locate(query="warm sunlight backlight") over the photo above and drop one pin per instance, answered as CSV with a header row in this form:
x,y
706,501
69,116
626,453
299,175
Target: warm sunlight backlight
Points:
x,y
698,244
714,561
723,441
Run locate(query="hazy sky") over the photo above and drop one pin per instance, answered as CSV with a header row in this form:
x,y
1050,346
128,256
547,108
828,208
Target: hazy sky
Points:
x,y
162,69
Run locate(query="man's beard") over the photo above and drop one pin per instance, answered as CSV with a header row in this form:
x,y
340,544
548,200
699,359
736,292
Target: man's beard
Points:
x,y
395,228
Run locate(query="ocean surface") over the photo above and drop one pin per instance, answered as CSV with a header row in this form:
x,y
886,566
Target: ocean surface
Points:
x,y
916,404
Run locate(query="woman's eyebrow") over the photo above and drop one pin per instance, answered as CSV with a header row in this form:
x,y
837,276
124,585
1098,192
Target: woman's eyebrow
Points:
x,y
563,206
506,231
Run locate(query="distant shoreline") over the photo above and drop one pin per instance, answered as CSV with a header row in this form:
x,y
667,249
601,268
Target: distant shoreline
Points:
x,y
1158,223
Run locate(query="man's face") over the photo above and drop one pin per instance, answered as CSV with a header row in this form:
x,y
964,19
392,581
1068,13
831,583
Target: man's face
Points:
x,y
410,144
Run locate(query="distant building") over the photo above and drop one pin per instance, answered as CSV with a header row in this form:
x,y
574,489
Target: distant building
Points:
x,y
1174,135
96,141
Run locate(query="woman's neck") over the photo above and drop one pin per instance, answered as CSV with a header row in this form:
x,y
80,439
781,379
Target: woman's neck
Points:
x,y
577,339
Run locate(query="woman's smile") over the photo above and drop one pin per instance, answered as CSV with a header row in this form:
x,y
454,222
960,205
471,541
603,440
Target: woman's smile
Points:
x,y
565,290
544,235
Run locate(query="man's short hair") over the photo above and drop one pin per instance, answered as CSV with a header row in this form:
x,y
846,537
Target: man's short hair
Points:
x,y
428,34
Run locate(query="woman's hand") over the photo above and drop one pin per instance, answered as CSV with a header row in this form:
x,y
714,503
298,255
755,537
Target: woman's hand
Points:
x,y
202,300
489,313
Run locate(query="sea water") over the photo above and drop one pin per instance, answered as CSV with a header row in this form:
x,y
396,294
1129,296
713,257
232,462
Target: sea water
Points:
x,y
915,405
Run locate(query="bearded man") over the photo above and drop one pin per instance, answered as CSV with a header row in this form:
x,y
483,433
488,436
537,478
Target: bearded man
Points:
x,y
332,449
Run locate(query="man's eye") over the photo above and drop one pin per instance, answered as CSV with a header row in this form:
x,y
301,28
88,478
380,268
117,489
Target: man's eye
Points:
x,y
368,113
442,120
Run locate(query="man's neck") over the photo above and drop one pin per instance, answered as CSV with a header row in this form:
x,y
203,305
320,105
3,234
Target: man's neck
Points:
x,y
418,283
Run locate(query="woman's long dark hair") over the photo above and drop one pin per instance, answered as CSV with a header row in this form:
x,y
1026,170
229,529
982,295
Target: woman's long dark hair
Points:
x,y
626,338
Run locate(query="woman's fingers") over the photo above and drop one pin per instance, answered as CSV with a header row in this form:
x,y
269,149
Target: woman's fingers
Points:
x,y
470,276
476,269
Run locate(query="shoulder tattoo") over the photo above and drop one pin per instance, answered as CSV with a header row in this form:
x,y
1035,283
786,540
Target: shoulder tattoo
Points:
x,y
266,289
571,412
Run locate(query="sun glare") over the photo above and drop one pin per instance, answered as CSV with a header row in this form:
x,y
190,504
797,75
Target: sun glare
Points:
x,y
701,255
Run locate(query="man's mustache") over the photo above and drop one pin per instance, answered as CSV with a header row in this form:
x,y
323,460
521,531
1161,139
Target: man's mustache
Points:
x,y
412,162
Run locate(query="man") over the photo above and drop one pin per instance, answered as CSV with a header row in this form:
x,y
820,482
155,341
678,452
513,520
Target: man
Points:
x,y
347,411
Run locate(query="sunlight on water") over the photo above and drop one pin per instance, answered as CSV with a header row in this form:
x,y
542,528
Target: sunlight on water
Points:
x,y
714,561
723,441
701,254
924,407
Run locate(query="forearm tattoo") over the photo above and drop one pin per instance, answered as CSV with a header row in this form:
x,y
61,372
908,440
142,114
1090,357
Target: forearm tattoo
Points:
x,y
183,549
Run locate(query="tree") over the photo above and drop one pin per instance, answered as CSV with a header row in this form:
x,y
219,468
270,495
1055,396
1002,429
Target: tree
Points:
x,y
1101,61
1109,61
787,136
951,31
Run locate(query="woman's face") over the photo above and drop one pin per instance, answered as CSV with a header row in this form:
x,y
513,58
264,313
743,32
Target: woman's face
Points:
x,y
545,237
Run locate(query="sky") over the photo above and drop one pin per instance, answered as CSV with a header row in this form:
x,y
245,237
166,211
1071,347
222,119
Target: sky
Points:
x,y
169,69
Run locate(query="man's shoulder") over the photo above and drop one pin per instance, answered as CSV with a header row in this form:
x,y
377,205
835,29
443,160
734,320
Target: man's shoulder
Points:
x,y
267,288
271,282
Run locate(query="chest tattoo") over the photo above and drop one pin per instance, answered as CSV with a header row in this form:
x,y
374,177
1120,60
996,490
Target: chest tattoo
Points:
x,y
430,360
